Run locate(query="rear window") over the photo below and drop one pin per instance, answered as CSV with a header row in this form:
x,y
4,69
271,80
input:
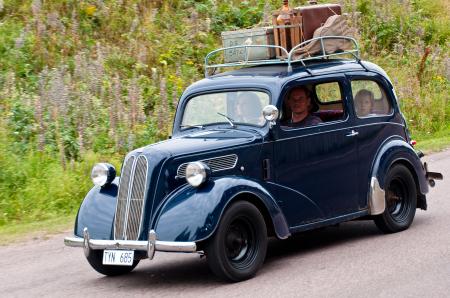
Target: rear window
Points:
x,y
369,99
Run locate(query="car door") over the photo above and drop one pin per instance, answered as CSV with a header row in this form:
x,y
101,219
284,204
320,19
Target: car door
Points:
x,y
374,126
316,166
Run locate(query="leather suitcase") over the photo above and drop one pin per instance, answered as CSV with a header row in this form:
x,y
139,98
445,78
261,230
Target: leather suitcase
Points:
x,y
314,16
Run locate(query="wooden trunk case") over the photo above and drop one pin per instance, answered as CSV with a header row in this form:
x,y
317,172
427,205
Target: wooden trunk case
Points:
x,y
287,36
255,36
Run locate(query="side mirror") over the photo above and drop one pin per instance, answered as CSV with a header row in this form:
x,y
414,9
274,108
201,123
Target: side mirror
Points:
x,y
270,113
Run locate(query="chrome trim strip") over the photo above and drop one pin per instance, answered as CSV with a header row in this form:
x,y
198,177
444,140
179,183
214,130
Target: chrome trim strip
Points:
x,y
124,181
377,201
130,189
135,188
327,131
220,163
149,246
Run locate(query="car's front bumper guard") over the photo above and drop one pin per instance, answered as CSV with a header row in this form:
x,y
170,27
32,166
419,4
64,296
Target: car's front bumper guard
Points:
x,y
149,246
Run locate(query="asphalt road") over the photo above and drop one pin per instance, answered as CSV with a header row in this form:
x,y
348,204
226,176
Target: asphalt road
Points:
x,y
354,259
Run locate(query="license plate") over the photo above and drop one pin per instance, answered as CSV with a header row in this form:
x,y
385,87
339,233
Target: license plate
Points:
x,y
118,257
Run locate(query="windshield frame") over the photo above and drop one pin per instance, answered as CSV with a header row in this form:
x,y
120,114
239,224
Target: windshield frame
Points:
x,y
177,128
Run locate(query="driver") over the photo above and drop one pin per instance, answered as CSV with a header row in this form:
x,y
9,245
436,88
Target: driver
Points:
x,y
299,102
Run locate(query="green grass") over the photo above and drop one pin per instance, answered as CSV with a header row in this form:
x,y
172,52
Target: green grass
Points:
x,y
36,230
87,81
433,143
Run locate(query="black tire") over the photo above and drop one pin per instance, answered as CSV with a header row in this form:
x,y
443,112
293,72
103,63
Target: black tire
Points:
x,y
401,201
95,260
238,247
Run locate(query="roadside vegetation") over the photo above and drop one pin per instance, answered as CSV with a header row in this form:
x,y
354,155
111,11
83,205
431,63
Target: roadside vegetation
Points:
x,y
86,81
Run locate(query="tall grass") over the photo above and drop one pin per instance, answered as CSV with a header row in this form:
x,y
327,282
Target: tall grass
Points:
x,y
83,81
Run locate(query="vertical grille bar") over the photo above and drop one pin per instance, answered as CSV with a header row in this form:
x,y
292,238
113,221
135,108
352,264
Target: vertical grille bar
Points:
x,y
137,199
122,198
130,201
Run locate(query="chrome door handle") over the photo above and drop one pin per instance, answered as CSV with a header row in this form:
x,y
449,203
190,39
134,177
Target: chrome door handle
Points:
x,y
353,133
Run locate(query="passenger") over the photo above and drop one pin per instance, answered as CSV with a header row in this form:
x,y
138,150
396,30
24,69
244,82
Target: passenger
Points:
x,y
364,102
299,102
249,109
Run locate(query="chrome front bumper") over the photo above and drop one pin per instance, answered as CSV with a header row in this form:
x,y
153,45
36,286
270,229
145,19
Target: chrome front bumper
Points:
x,y
149,246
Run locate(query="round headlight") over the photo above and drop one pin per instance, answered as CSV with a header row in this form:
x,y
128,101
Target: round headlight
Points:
x,y
103,174
197,173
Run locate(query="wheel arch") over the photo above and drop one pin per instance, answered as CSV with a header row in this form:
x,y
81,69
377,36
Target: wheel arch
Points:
x,y
257,202
421,198
394,151
194,214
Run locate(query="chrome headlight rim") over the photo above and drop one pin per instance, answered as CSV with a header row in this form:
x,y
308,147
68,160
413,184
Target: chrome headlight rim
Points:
x,y
197,173
103,174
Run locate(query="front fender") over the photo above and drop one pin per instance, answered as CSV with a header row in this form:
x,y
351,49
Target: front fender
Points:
x,y
193,214
397,150
97,212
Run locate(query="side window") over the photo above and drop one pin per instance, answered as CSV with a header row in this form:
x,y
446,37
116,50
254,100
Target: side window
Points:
x,y
309,105
329,92
370,99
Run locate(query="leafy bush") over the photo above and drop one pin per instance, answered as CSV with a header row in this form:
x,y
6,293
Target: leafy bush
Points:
x,y
80,80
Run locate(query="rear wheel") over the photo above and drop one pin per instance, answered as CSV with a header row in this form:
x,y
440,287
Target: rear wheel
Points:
x,y
95,259
238,248
401,201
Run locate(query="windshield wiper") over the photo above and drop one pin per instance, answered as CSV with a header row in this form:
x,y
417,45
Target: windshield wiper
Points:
x,y
231,121
192,126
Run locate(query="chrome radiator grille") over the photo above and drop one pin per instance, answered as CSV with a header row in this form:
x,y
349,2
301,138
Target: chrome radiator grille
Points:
x,y
216,164
130,201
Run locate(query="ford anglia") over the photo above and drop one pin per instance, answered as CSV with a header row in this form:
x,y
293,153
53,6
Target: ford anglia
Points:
x,y
238,169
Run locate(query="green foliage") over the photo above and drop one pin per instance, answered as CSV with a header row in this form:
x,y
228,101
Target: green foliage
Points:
x,y
35,187
83,80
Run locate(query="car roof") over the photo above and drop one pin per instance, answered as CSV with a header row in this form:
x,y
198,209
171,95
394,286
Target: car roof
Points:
x,y
274,76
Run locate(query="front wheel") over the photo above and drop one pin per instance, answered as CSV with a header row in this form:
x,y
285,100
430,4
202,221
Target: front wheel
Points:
x,y
238,248
95,260
401,201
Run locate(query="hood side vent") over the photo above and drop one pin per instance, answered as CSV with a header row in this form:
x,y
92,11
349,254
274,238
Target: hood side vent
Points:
x,y
216,164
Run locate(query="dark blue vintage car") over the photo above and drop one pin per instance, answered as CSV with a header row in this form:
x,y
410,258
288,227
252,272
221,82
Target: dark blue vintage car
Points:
x,y
267,150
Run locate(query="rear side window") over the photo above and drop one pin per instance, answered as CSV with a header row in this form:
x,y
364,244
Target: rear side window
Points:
x,y
370,99
328,92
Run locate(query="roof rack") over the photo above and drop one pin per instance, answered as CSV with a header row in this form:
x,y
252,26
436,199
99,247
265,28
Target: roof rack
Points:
x,y
292,56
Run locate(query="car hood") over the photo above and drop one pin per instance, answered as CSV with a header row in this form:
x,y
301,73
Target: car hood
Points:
x,y
203,141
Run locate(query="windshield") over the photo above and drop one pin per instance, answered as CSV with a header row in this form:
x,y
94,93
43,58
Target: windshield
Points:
x,y
237,107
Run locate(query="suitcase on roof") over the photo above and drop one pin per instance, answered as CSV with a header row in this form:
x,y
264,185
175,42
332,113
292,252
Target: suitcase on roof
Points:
x,y
314,16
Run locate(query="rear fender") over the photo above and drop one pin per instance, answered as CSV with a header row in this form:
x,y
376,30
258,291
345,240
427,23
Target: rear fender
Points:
x,y
193,214
393,151
97,212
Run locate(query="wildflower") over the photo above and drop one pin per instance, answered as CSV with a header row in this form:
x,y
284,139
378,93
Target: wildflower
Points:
x,y
90,10
154,74
134,24
36,7
54,22
20,41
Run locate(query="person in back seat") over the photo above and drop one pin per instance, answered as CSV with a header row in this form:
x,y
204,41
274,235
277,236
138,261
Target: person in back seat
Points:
x,y
249,109
364,103
299,102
